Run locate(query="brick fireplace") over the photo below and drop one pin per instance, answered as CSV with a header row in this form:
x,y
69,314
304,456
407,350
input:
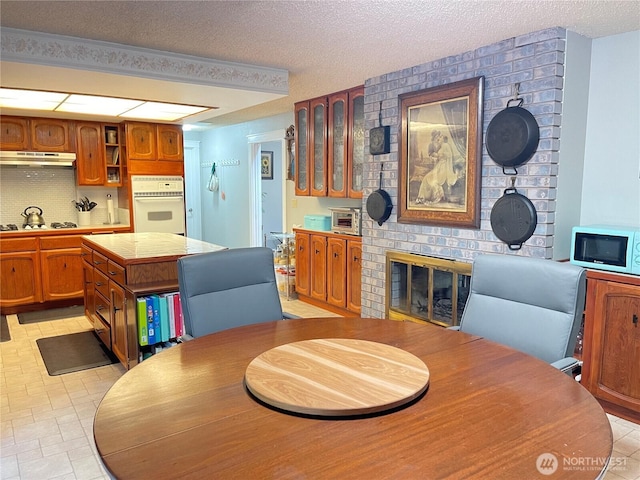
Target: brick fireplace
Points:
x,y
537,62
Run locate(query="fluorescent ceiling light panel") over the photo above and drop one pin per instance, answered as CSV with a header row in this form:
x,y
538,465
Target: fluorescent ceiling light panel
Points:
x,y
163,111
29,99
97,105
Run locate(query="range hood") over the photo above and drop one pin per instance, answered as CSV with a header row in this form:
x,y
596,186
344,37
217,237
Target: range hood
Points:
x,y
37,159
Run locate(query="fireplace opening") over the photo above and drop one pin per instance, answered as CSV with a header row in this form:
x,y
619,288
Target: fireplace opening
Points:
x,y
426,289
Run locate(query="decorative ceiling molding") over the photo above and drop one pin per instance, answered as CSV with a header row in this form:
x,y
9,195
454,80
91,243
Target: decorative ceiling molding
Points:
x,y
24,46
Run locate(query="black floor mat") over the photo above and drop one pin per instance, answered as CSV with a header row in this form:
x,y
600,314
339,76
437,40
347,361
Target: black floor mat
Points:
x,y
73,352
48,315
5,335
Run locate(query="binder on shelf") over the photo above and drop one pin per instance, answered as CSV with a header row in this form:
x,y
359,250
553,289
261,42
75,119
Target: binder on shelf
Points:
x,y
143,329
171,312
150,325
157,327
163,312
177,304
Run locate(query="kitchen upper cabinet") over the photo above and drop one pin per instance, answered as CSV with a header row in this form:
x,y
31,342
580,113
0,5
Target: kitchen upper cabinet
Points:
x,y
154,149
170,145
14,134
611,347
318,143
90,154
141,141
301,142
355,138
51,135
330,145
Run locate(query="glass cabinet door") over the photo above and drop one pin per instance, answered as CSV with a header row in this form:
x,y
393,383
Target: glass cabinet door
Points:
x,y
356,151
337,158
318,144
301,151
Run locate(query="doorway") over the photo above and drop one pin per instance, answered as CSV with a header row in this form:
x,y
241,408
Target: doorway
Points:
x,y
258,224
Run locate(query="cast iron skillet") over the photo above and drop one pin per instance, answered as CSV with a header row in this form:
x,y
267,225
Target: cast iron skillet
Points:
x,y
379,204
513,218
512,137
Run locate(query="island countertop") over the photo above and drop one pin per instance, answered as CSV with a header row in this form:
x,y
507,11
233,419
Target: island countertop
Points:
x,y
137,247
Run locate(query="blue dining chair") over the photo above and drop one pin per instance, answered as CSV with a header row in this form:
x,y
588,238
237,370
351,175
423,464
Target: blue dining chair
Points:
x,y
228,288
530,304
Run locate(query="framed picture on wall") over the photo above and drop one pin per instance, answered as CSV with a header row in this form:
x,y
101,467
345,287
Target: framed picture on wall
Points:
x,y
440,147
266,165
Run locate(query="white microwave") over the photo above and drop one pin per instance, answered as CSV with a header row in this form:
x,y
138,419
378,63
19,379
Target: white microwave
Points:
x,y
346,220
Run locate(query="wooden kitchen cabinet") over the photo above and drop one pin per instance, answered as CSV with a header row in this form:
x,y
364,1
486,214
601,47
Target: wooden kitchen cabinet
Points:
x,y
328,269
303,264
89,291
301,142
14,133
154,149
170,145
611,344
61,264
90,154
336,272
354,275
51,135
329,142
20,272
118,322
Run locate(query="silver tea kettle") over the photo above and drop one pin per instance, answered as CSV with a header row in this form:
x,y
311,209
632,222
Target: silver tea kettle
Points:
x,y
33,219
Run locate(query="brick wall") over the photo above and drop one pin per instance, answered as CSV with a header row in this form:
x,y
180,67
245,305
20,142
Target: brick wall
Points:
x,y
536,61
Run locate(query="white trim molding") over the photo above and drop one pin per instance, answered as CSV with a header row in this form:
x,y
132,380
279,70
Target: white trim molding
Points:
x,y
25,46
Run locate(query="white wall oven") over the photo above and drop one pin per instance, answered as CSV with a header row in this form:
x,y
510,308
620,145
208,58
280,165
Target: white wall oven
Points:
x,y
158,204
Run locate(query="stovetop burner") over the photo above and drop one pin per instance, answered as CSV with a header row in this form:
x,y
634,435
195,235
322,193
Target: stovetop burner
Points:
x,y
63,225
8,227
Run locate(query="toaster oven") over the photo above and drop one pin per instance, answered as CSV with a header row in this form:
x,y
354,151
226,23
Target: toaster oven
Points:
x,y
346,220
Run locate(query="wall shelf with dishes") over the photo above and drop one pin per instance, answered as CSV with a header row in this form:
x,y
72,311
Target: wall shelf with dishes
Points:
x,y
113,154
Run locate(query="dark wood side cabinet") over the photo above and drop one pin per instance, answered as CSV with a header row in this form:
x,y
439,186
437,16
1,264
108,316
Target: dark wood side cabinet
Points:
x,y
611,351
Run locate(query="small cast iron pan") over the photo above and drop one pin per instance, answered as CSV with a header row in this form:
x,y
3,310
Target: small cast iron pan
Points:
x,y
513,218
379,204
512,137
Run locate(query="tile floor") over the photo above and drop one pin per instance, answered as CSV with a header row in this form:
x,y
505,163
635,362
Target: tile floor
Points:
x,y
46,422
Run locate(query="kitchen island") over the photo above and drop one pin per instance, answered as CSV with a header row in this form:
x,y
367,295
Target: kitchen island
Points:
x,y
120,268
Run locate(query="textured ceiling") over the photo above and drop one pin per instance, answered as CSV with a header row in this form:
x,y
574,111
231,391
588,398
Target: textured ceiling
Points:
x,y
325,45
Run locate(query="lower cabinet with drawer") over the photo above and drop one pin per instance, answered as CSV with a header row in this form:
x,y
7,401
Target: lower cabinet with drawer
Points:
x,y
35,270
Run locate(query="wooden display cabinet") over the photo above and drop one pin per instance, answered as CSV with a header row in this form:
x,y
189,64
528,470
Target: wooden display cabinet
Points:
x,y
328,269
301,142
611,345
318,146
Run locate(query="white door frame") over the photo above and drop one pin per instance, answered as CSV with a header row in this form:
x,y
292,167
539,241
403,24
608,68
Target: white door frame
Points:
x,y
255,182
192,189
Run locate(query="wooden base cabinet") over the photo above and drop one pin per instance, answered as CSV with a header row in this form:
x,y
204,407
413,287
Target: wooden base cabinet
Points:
x,y
611,348
328,270
20,272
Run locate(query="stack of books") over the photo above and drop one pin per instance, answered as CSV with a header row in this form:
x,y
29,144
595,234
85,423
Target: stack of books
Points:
x,y
159,319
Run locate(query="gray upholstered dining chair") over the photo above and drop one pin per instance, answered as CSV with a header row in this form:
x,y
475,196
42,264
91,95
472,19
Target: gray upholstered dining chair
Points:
x,y
530,304
227,289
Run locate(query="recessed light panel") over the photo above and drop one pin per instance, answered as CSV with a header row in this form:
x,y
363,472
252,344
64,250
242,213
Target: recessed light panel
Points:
x,y
30,99
97,105
162,111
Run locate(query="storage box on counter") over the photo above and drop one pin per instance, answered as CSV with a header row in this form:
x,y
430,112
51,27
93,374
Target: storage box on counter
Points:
x,y
317,222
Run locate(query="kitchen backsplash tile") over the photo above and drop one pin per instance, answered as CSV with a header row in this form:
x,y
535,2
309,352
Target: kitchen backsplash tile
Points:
x,y
52,190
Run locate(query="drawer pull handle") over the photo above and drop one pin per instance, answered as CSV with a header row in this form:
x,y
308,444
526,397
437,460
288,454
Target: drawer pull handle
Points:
x,y
635,319
113,273
99,284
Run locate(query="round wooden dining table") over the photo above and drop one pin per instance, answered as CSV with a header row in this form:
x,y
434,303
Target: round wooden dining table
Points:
x,y
489,412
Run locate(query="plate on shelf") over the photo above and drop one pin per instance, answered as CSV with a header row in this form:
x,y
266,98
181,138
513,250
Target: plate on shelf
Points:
x,y
115,156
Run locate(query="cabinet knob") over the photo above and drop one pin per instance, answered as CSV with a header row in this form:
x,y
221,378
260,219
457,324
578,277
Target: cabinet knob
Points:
x,y
635,319
335,255
317,251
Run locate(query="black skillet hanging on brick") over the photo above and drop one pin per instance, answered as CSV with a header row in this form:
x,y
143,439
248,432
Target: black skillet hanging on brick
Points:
x,y
379,203
513,218
512,136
